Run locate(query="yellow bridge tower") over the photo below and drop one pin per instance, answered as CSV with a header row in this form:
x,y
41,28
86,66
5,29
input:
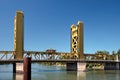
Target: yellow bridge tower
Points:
x,y
19,35
77,44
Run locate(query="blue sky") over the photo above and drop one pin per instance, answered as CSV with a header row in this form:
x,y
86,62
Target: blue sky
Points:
x,y
47,24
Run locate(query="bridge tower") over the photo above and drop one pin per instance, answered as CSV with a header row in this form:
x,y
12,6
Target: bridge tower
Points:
x,y
77,42
19,35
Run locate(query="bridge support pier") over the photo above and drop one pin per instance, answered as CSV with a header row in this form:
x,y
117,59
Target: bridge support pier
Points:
x,y
112,66
18,71
76,66
23,69
18,68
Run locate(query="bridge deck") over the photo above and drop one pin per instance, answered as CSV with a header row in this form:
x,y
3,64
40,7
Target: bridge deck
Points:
x,y
64,61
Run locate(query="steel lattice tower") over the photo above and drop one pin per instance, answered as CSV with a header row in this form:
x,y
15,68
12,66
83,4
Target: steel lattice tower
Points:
x,y
77,40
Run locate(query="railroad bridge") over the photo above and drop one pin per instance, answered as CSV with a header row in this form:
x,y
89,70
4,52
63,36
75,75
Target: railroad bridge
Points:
x,y
77,46
75,59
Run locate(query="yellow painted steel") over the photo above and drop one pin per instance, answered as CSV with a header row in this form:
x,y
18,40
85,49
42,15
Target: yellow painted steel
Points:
x,y
19,35
77,40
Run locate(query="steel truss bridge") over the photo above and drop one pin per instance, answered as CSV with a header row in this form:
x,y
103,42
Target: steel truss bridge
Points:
x,y
7,57
35,55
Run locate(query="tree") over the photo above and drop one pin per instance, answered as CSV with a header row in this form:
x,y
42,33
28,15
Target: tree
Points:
x,y
113,56
118,52
102,55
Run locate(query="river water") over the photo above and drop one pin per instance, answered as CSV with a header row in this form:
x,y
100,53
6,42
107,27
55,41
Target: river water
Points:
x,y
41,72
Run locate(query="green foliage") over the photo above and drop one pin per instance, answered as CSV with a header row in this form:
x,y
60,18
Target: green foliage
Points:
x,y
113,53
102,55
90,65
118,52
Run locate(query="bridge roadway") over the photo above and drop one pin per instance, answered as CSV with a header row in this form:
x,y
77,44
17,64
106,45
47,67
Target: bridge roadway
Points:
x,y
63,60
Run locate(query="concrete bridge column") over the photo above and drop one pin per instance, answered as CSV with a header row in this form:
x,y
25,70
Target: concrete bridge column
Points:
x,y
118,66
18,71
23,69
112,66
18,68
76,66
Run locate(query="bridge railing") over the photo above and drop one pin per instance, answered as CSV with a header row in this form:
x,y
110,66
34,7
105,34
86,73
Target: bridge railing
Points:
x,y
42,55
7,55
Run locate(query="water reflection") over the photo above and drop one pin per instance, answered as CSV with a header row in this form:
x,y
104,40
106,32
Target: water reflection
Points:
x,y
17,76
40,72
81,75
77,75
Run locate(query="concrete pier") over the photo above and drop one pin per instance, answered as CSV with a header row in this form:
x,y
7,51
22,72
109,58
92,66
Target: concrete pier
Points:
x,y
71,66
18,71
76,66
18,68
112,66
81,66
23,70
